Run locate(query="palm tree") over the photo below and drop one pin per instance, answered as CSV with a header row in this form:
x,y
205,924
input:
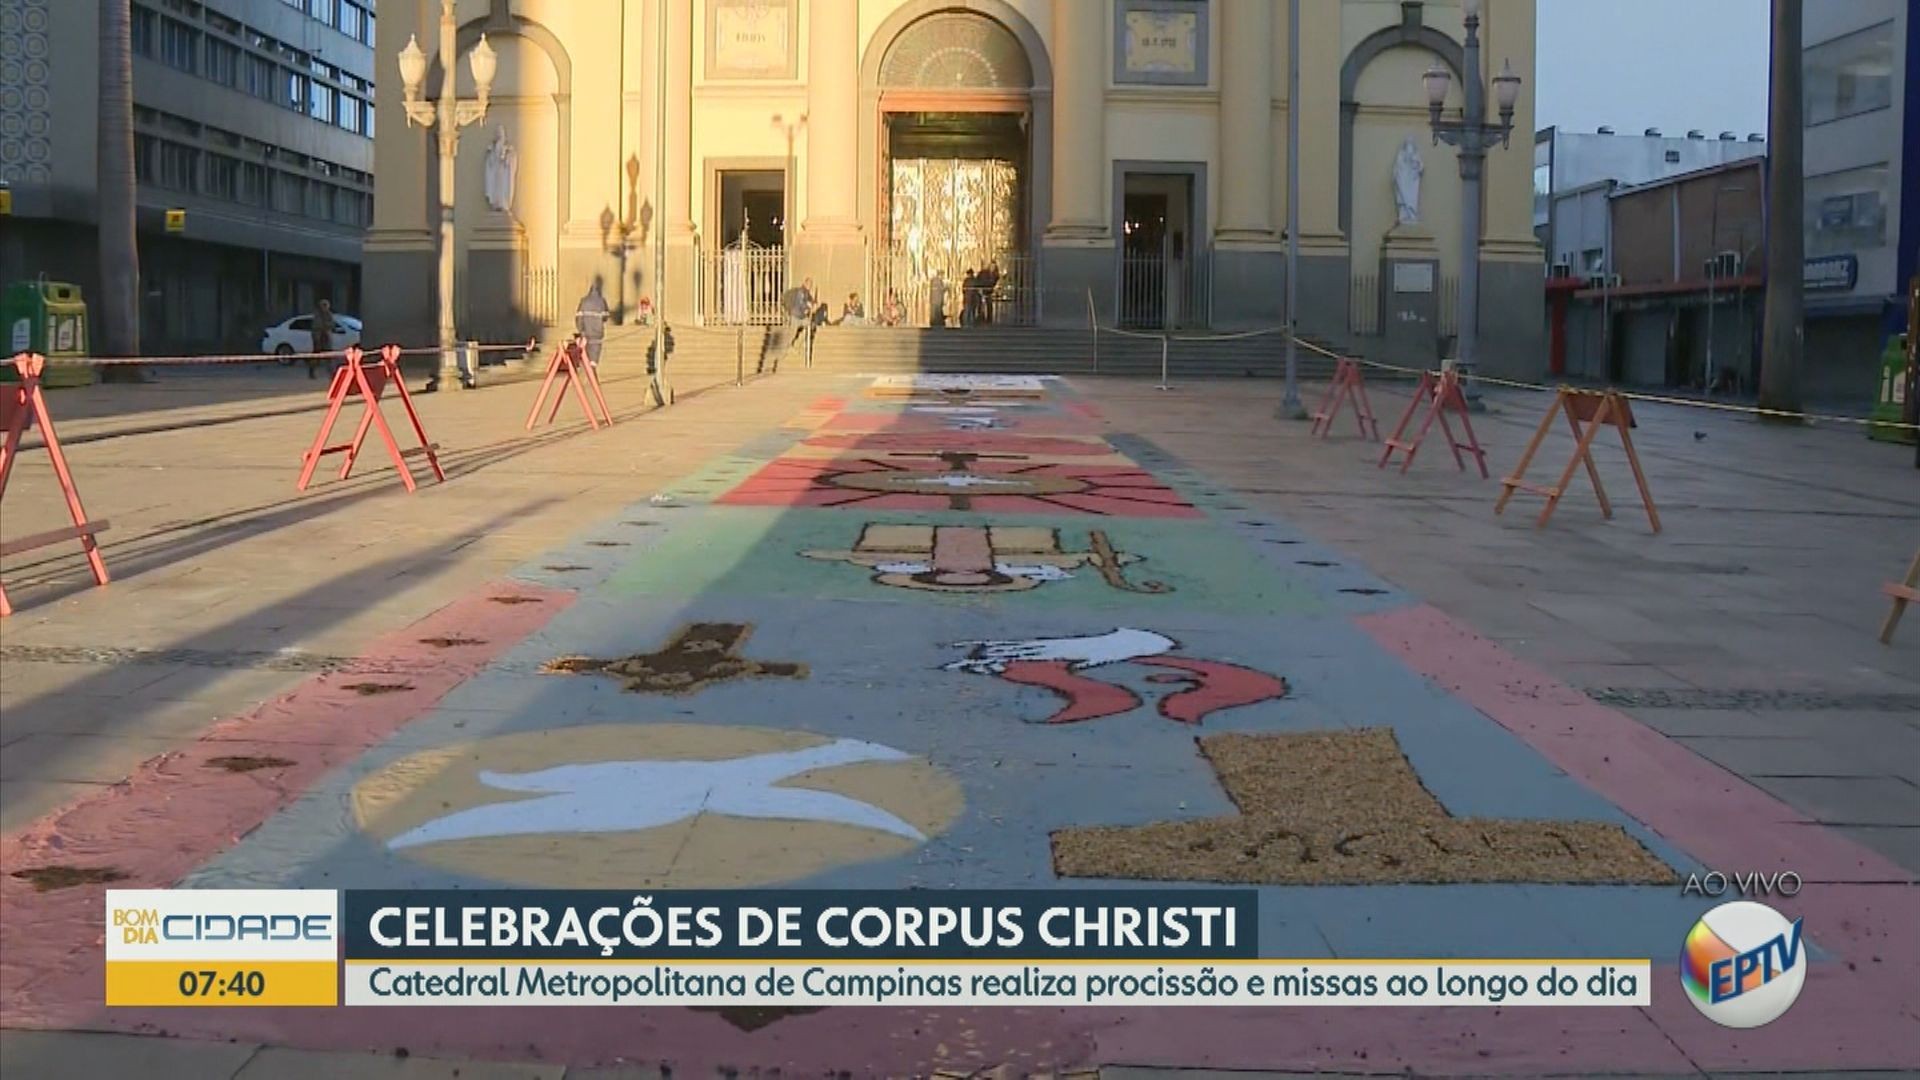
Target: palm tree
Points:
x,y
117,309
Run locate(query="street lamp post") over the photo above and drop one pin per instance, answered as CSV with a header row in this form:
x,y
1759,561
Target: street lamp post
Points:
x,y
657,377
1291,407
791,202
1472,136
447,115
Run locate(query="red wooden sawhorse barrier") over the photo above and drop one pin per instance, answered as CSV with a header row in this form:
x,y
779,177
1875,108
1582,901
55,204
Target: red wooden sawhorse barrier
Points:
x,y
23,405
369,381
569,363
1347,386
1439,393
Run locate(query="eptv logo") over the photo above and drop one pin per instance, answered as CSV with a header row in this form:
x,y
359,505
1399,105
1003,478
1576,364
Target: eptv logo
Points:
x,y
1742,964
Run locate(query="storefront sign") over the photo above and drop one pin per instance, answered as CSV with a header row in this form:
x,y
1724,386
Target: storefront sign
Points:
x,y
1831,272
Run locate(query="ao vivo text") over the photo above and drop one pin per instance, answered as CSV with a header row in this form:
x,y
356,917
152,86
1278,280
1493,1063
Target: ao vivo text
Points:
x,y
1715,883
146,926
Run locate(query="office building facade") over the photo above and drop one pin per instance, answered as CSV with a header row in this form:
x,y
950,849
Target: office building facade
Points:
x,y
254,117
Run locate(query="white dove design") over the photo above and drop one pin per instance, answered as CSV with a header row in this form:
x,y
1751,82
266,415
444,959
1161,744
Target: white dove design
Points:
x,y
628,796
1097,650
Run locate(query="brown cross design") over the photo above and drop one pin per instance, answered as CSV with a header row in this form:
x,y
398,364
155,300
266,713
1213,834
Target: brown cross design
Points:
x,y
699,654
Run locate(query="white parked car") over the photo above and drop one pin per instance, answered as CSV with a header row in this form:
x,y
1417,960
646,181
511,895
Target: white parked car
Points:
x,y
295,335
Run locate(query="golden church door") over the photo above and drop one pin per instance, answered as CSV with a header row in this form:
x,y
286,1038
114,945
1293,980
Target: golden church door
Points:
x,y
951,215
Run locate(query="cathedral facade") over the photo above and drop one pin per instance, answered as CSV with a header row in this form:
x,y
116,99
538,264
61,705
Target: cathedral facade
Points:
x,y
1123,160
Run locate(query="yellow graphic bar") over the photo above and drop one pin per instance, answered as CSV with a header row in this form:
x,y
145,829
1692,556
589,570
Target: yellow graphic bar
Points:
x,y
223,984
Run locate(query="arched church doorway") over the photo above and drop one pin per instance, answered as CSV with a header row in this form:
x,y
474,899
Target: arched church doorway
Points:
x,y
955,190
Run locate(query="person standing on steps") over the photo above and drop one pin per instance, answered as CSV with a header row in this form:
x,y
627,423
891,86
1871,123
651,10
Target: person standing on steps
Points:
x,y
590,319
322,336
937,300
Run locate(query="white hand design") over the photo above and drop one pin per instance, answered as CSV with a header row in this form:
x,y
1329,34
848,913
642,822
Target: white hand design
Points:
x,y
1117,646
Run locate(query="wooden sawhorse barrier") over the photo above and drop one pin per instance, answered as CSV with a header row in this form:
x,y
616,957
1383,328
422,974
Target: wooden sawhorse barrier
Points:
x,y
569,364
1903,593
1347,387
1595,409
1439,393
368,381
23,405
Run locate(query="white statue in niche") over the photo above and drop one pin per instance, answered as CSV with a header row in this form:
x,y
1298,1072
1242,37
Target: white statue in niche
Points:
x,y
502,163
1406,183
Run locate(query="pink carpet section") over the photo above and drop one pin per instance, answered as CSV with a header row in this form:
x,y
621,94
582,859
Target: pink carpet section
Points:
x,y
1860,1008
184,807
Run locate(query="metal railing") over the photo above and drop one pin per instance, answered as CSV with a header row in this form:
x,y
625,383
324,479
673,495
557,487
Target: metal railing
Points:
x,y
741,286
1158,293
1449,300
1363,305
540,293
1014,300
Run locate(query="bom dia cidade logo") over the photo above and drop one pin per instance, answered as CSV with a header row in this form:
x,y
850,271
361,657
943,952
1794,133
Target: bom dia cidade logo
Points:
x,y
1743,965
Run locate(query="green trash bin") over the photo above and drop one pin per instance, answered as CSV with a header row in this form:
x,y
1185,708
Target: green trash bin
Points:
x,y
49,318
1890,404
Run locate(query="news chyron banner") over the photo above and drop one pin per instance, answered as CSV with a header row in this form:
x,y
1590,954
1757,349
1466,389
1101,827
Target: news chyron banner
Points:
x,y
223,947
1187,946
912,948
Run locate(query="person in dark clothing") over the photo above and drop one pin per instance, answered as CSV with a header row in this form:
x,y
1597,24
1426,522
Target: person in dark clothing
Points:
x,y
937,300
590,320
804,312
989,282
970,297
322,335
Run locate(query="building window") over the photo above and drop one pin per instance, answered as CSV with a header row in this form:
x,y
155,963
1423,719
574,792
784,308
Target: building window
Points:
x,y
223,24
1846,212
296,85
177,166
253,184
366,121
289,193
351,109
223,62
369,37
223,177
322,10
352,20
319,200
1849,75
259,77
145,31
320,98
143,158
178,44
1593,260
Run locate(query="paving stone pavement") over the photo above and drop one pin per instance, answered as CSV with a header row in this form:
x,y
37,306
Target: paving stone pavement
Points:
x,y
1742,636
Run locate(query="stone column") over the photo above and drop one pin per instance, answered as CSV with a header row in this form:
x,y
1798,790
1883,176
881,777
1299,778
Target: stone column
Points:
x,y
1077,253
677,210
398,256
1246,122
829,247
1323,285
1247,260
1080,52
